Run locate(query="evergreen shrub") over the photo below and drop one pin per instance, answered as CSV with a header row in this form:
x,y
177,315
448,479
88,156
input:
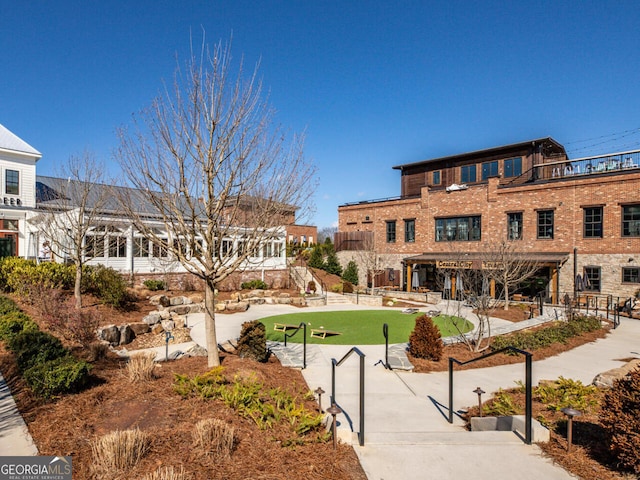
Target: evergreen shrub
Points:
x,y
256,284
253,342
31,348
426,341
154,285
620,417
60,375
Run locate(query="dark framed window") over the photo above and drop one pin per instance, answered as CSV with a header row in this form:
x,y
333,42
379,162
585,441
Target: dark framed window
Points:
x,y
593,222
458,229
545,224
391,231
631,221
630,274
12,182
514,226
489,169
159,249
436,177
410,231
468,174
513,167
593,278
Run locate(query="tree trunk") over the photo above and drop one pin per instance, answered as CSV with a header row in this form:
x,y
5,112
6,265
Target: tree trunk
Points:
x,y
506,295
77,293
210,324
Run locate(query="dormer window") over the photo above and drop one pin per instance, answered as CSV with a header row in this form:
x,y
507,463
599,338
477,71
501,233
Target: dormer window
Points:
x,y
12,182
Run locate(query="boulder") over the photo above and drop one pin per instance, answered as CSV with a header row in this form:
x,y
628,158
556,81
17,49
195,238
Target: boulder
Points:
x,y
256,293
164,301
197,351
196,298
180,309
608,378
256,300
156,299
238,307
168,325
236,296
285,295
221,307
284,300
176,301
152,318
196,308
165,315
126,335
157,329
140,328
110,333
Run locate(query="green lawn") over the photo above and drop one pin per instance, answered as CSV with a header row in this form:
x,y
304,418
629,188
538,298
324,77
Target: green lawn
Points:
x,y
361,327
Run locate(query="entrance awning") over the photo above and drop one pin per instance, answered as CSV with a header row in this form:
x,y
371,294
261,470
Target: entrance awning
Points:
x,y
468,260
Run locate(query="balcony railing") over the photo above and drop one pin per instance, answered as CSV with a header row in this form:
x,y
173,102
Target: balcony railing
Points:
x,y
613,162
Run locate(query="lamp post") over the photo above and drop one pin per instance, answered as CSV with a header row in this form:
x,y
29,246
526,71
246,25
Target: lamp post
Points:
x,y
570,412
479,392
334,410
319,391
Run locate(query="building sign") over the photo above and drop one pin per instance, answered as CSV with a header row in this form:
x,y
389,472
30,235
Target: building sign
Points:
x,y
465,265
492,265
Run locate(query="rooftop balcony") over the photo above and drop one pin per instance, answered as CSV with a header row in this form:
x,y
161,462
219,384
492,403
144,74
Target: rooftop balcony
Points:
x,y
599,165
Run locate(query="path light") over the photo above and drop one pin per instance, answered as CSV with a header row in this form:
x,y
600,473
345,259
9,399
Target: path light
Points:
x,y
167,337
334,410
319,391
570,412
479,391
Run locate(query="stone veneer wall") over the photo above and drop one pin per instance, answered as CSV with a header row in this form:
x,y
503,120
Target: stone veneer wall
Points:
x,y
277,279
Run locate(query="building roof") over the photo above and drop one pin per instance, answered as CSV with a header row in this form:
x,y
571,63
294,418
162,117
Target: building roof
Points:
x,y
489,151
11,142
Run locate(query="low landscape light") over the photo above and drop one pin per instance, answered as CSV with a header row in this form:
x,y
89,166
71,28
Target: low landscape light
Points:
x,y
570,413
334,410
479,392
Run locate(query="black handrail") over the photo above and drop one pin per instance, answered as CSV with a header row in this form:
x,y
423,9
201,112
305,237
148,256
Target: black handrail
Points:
x,y
385,332
335,364
528,388
304,341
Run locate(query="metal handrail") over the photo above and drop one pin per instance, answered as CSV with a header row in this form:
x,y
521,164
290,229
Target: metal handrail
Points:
x,y
528,388
304,341
335,364
385,332
593,304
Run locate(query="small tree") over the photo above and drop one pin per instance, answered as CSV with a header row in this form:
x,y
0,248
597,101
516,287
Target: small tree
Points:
x,y
332,265
368,257
426,340
316,259
73,212
350,273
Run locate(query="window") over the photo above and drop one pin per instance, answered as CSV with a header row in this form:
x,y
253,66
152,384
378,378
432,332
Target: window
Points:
x,y
436,177
391,231
458,229
630,274
593,222
12,182
468,174
267,250
160,249
514,226
631,221
94,246
227,248
545,224
140,247
410,231
513,167
117,246
277,250
592,274
489,169
10,224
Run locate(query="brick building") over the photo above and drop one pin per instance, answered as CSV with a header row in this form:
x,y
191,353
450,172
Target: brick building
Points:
x,y
578,219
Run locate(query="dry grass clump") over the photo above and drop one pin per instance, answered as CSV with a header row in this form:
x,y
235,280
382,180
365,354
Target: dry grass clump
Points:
x,y
119,450
140,367
167,473
214,437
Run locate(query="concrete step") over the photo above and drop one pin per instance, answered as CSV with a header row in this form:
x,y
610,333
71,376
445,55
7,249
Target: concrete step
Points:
x,y
462,437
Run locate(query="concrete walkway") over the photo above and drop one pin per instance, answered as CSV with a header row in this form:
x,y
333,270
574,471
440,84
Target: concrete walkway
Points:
x,y
14,435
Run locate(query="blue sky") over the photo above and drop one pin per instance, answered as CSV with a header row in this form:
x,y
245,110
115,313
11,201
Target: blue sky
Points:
x,y
374,84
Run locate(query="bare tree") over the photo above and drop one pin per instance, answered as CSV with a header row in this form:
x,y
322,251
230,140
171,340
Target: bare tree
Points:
x,y
370,260
70,208
508,266
211,167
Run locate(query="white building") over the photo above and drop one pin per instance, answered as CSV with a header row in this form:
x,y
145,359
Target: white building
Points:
x,y
113,243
